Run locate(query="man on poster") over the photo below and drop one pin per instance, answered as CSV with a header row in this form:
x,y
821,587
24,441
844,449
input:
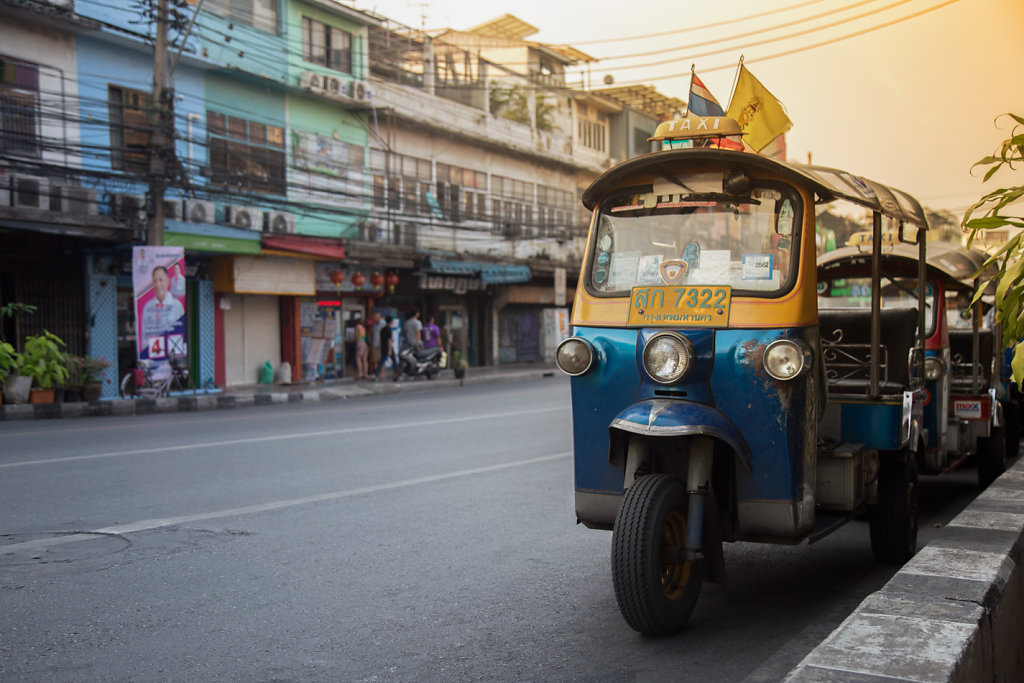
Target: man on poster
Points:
x,y
161,313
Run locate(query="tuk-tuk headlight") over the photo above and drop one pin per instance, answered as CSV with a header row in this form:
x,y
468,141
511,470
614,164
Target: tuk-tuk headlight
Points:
x,y
786,358
574,356
934,368
668,357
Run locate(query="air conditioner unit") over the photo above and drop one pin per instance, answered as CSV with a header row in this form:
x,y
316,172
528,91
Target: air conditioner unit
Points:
x,y
74,200
30,192
332,86
199,211
280,222
173,209
128,207
311,80
358,91
371,231
245,217
512,229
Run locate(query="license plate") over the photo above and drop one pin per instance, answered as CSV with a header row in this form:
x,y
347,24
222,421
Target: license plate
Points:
x,y
680,306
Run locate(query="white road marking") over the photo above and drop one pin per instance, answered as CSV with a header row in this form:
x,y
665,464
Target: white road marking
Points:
x,y
279,437
148,524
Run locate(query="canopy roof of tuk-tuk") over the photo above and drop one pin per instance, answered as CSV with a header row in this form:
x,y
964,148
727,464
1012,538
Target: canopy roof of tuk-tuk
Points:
x,y
827,183
951,263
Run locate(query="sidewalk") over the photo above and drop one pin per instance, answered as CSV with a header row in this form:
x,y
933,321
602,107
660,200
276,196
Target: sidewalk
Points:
x,y
265,394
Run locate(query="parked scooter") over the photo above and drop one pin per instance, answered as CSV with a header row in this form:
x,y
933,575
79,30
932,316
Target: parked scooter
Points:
x,y
416,361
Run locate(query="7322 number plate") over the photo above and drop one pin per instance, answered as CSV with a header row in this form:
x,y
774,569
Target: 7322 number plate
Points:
x,y
680,306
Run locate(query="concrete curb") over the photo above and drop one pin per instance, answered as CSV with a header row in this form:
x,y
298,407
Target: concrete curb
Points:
x,y
231,400
954,612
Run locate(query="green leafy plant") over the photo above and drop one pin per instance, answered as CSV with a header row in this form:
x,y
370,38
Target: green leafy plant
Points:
x,y
10,360
15,310
85,370
44,361
991,212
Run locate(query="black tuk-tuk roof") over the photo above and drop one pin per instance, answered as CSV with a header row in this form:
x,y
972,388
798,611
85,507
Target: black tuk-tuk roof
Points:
x,y
950,262
827,183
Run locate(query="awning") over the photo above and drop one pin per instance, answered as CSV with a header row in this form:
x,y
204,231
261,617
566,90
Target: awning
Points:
x,y
317,246
446,267
211,243
489,273
503,275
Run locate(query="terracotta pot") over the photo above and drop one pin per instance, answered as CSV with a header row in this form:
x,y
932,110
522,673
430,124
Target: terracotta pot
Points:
x,y
41,396
92,391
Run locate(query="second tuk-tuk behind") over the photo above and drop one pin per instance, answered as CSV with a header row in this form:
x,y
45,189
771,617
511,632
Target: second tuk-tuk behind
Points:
x,y
963,414
702,411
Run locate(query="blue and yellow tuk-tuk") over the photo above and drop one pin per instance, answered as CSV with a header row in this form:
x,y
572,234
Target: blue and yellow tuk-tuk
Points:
x,y
706,408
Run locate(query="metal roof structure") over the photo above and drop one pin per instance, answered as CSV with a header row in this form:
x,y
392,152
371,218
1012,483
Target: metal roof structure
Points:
x,y
647,99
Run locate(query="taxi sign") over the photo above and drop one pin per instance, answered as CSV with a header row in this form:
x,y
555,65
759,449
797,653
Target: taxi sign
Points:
x,y
699,306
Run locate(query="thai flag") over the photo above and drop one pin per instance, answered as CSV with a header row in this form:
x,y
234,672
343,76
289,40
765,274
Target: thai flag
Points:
x,y
702,102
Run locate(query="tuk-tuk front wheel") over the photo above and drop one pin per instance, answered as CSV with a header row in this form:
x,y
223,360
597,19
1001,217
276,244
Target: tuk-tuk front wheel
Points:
x,y
893,521
655,586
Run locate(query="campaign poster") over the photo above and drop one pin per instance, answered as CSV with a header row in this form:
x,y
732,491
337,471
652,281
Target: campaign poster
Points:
x,y
158,277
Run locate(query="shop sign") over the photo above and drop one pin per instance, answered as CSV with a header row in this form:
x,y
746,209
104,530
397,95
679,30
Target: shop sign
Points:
x,y
451,283
213,244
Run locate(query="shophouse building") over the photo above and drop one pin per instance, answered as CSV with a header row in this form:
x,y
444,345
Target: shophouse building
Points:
x,y
325,163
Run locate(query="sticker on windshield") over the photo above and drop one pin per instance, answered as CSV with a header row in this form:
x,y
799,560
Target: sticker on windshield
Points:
x,y
673,271
648,272
623,269
757,266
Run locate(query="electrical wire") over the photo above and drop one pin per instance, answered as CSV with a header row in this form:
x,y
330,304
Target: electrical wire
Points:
x,y
99,151
786,53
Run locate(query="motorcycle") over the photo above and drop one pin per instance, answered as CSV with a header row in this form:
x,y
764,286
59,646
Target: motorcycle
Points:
x,y
416,361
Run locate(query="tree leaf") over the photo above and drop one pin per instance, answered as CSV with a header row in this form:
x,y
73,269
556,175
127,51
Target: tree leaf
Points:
x,y
986,223
1017,364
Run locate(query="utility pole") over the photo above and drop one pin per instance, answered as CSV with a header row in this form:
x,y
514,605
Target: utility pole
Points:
x,y
158,141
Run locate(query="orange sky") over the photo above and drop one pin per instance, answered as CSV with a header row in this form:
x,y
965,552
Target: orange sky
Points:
x,y
911,104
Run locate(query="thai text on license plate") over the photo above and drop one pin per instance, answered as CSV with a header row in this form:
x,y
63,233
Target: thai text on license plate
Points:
x,y
680,306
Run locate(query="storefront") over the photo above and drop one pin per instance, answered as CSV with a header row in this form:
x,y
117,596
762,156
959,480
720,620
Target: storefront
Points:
x,y
250,293
530,324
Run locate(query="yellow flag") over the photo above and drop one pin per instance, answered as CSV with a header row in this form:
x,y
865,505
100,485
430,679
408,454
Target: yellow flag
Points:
x,y
761,117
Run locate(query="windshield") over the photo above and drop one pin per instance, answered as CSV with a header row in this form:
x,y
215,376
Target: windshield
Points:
x,y
855,292
749,244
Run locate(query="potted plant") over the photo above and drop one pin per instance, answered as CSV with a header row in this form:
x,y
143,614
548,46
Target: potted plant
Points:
x,y
87,376
459,363
10,362
15,384
45,363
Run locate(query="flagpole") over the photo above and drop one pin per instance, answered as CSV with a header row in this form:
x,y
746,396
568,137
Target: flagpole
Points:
x,y
735,80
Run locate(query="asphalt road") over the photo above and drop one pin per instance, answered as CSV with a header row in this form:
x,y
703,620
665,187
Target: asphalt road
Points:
x,y
424,536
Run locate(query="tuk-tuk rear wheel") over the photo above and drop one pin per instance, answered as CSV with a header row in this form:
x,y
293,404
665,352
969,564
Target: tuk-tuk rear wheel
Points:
x,y
893,521
655,587
991,457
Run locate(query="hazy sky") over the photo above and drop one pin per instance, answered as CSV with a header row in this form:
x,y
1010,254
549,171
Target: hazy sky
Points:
x,y
910,104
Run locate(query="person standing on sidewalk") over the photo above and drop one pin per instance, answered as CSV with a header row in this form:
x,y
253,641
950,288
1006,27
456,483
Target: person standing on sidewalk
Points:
x,y
387,347
414,330
431,334
362,351
377,322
